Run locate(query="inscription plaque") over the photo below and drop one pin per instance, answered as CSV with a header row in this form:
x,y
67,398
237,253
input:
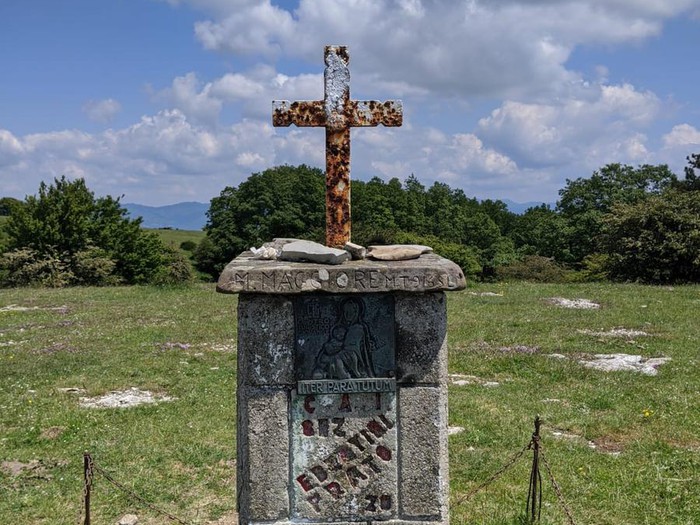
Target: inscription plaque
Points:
x,y
344,460
343,412
345,338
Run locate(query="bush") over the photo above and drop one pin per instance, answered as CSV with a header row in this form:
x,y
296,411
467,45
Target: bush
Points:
x,y
25,267
532,268
188,246
657,241
93,267
79,239
176,270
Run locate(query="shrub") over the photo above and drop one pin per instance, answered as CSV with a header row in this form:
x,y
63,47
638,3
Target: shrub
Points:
x,y
188,246
93,267
176,270
25,267
532,268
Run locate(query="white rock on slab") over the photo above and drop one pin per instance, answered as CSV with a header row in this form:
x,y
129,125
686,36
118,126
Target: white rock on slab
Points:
x,y
310,251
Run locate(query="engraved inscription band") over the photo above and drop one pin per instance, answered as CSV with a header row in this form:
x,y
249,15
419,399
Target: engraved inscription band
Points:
x,y
347,386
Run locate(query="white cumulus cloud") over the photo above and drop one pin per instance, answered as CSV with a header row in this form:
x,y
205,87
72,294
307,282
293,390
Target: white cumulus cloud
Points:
x,y
102,111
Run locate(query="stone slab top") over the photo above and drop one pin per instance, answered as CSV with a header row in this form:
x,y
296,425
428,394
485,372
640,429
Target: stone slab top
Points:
x,y
427,273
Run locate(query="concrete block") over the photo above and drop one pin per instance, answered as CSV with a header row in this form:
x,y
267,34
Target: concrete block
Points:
x,y
265,340
421,338
423,459
263,455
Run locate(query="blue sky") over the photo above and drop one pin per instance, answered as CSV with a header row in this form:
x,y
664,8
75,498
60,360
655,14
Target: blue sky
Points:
x,y
167,101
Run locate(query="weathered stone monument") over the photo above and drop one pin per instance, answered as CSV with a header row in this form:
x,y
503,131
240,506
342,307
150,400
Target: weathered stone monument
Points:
x,y
342,378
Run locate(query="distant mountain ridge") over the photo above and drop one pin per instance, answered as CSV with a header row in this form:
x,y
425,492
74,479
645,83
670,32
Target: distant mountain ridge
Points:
x,y
180,216
521,207
193,215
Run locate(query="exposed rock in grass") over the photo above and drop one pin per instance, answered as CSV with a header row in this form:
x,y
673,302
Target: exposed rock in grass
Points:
x,y
486,294
616,332
462,380
57,347
128,519
124,399
451,431
17,308
15,468
171,345
221,347
624,362
520,349
581,304
51,432
36,468
71,390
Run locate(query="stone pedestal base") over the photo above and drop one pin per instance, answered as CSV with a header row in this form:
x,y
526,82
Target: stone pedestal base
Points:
x,y
342,397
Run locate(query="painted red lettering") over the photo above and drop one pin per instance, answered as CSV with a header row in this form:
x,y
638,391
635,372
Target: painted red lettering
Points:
x,y
304,482
345,403
383,452
307,404
334,489
307,427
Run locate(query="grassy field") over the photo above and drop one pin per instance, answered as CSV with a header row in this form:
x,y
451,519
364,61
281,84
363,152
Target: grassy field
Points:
x,y
645,467
174,238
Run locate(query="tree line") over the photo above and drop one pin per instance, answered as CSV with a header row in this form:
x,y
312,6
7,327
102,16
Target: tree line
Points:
x,y
622,223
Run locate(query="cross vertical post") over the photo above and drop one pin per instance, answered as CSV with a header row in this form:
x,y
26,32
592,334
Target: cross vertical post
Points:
x,y
337,113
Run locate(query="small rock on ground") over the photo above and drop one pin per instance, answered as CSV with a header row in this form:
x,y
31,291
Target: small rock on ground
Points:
x,y
625,362
615,332
128,519
581,304
451,431
123,399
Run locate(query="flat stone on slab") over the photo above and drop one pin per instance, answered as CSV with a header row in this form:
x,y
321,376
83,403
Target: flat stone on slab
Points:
x,y
356,251
309,251
397,252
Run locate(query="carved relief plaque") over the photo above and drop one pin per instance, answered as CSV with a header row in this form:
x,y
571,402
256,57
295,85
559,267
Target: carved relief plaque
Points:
x,y
343,412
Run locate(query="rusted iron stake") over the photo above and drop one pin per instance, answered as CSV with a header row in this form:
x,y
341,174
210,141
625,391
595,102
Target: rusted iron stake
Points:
x,y
533,509
337,113
87,476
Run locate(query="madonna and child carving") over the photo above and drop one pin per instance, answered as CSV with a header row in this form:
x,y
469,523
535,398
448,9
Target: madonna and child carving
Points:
x,y
344,344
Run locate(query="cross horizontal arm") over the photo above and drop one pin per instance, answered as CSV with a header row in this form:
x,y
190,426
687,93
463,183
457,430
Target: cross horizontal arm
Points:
x,y
372,113
304,113
312,113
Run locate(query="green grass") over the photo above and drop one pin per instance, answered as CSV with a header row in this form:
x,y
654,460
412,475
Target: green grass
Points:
x,y
180,455
174,238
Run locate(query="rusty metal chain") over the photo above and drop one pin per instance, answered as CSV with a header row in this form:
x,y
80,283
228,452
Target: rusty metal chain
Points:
x,y
88,477
132,494
512,461
557,489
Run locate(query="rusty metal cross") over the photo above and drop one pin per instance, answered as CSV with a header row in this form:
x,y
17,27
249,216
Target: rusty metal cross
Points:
x,y
337,113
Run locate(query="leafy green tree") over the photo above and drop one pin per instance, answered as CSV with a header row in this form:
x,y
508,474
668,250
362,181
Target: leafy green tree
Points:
x,y
654,241
584,202
93,238
692,174
7,204
541,231
285,201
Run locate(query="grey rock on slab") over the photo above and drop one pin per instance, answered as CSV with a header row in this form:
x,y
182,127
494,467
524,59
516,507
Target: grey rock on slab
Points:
x,y
299,251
